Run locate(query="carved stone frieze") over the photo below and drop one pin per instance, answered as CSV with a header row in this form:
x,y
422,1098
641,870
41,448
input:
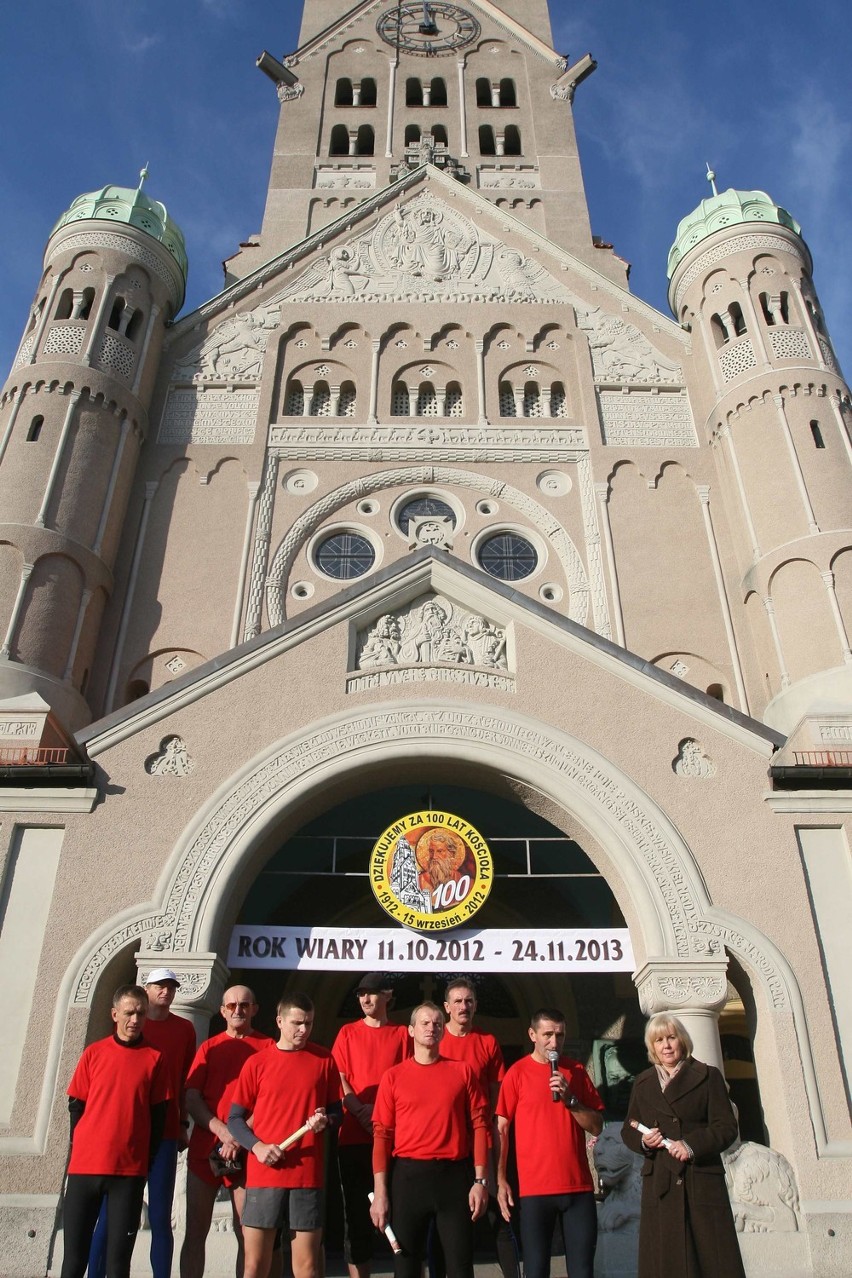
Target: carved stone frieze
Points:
x,y
209,416
346,179
290,92
685,984
233,352
643,419
425,251
396,675
416,439
624,355
509,180
432,632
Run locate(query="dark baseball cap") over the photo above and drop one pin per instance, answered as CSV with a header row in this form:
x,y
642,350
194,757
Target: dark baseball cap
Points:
x,y
374,983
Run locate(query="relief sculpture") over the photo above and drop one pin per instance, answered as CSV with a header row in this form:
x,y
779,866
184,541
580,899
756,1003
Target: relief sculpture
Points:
x,y
433,633
234,351
425,251
620,353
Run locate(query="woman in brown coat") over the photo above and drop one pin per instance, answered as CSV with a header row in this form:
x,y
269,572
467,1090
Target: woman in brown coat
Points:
x,y
680,1119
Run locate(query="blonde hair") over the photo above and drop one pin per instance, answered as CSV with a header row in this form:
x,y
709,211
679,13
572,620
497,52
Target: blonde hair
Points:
x,y
665,1023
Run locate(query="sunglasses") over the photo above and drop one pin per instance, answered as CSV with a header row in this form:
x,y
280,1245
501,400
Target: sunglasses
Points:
x,y
233,1007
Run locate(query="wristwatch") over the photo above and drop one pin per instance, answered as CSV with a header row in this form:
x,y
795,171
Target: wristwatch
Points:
x,y
571,1101
480,1180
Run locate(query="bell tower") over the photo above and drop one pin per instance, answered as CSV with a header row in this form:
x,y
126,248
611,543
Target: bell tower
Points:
x,y
73,415
777,413
477,91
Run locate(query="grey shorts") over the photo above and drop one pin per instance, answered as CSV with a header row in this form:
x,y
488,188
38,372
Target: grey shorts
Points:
x,y
294,1209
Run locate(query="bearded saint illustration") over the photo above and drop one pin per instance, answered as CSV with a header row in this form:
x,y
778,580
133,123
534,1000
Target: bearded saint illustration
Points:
x,y
439,854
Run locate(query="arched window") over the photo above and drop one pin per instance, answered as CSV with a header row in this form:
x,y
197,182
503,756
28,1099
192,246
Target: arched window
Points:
x,y
63,308
347,400
508,97
816,434
736,313
295,405
137,688
35,429
438,92
507,400
83,304
427,400
412,134
716,691
483,92
532,400
775,307
368,92
512,144
454,406
343,93
320,405
366,140
719,331
558,401
134,328
117,313
486,140
339,140
413,92
439,133
399,400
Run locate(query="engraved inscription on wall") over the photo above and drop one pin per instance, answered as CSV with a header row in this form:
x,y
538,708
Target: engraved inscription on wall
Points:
x,y
644,420
209,417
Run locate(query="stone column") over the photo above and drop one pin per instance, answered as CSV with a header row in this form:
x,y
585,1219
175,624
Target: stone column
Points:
x,y
694,990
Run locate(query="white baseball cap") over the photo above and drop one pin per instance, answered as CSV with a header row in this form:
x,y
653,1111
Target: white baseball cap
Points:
x,y
160,975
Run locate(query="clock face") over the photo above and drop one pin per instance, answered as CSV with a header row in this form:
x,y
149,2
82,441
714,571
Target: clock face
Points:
x,y
428,28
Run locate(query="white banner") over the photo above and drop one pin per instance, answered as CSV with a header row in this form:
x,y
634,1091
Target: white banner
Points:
x,y
334,949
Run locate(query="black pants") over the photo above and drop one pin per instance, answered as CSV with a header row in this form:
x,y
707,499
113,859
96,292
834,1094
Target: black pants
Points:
x,y
498,1231
578,1220
355,1163
80,1208
432,1190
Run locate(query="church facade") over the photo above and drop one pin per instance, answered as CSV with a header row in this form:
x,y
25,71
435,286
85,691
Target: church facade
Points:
x,y
427,512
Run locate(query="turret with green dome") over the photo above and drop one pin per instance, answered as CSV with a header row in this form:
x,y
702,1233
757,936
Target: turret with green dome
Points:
x,y
720,211
132,207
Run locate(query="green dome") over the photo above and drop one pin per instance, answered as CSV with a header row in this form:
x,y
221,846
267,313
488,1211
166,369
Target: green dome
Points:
x,y
133,208
720,211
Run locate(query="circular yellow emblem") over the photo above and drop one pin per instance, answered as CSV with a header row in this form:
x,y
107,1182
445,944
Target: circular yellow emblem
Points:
x,y
431,871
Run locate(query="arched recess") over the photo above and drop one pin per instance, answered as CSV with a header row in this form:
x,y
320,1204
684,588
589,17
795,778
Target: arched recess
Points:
x,y
302,528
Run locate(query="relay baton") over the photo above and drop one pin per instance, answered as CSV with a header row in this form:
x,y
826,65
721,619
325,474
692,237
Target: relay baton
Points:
x,y
389,1234
640,1127
291,1140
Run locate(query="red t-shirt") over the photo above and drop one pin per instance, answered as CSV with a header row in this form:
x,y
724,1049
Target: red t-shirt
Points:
x,y
175,1039
430,1111
363,1052
482,1053
550,1145
214,1074
280,1090
119,1084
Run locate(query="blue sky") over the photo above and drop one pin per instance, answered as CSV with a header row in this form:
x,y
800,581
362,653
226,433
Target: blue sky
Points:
x,y
92,89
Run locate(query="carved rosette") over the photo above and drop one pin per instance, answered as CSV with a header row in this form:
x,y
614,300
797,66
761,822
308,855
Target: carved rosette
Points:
x,y
670,984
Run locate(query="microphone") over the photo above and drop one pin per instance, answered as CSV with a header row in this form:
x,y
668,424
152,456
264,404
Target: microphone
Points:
x,y
553,1057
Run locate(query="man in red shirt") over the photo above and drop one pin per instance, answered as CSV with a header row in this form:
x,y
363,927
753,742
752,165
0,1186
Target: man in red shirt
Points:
x,y
363,1051
117,1099
174,1037
432,1116
481,1051
291,1085
209,1085
553,1105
